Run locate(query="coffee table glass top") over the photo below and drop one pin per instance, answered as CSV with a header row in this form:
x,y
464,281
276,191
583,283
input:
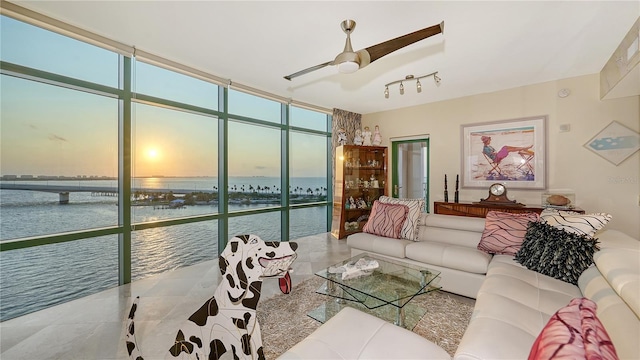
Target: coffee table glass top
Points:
x,y
391,283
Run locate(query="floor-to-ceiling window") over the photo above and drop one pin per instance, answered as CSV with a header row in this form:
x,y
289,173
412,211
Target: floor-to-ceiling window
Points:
x,y
204,163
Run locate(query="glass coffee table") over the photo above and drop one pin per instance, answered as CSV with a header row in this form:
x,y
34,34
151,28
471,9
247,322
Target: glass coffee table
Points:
x,y
385,291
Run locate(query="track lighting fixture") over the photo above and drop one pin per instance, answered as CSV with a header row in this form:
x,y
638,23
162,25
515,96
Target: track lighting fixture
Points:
x,y
436,79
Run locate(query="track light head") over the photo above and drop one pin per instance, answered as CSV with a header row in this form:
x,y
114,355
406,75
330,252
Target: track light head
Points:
x,y
418,86
386,92
436,79
401,89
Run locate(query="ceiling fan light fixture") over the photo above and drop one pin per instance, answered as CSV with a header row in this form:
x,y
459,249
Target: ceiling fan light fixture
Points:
x,y
348,61
348,67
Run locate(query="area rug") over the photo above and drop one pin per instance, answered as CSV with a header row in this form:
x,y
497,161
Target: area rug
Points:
x,y
284,321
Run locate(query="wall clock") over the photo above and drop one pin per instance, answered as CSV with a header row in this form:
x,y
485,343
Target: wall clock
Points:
x,y
498,195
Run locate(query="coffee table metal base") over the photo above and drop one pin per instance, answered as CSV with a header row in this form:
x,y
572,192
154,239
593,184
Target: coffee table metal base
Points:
x,y
406,316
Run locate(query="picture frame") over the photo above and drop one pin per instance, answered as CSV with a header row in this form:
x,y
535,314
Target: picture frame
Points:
x,y
511,152
615,143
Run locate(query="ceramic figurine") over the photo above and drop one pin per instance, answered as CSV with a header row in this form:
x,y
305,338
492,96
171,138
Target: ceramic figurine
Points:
x,y
362,204
377,138
357,140
366,136
342,136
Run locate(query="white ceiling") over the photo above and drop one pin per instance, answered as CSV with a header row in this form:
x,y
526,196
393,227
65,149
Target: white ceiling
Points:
x,y
486,46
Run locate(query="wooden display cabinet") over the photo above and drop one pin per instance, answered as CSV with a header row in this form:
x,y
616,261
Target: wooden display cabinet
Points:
x,y
360,179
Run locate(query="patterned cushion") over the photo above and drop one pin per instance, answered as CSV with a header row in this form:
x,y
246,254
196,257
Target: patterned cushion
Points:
x,y
574,222
574,332
386,219
555,252
416,206
504,232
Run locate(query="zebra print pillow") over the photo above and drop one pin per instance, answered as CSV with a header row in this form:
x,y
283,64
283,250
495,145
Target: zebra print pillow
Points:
x,y
386,219
416,206
573,222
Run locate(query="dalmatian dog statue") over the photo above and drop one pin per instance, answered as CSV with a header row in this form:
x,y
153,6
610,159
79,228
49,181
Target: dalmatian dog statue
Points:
x,y
225,326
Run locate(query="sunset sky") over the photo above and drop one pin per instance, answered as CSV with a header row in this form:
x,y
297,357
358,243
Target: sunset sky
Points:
x,y
50,130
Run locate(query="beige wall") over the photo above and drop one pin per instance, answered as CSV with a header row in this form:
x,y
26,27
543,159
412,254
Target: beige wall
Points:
x,y
599,186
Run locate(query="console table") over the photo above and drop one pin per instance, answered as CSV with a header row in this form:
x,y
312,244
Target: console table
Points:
x,y
471,209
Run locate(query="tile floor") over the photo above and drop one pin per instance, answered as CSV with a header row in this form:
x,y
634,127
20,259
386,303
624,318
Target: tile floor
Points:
x,y
93,328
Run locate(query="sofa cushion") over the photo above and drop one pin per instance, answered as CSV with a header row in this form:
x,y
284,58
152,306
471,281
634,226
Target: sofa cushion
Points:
x,y
512,306
555,252
622,324
378,244
574,332
447,255
509,279
386,219
583,224
353,334
416,207
504,232
453,222
621,269
610,238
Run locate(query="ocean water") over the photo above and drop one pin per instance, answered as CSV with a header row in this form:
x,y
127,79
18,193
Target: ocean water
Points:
x,y
38,277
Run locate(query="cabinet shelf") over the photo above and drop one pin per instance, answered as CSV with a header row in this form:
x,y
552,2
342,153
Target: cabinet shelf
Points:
x,y
360,183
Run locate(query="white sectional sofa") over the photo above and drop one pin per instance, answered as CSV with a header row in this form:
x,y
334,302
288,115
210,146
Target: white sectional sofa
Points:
x,y
445,243
513,304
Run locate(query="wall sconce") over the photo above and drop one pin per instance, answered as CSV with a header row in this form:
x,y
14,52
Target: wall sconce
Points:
x,y
436,79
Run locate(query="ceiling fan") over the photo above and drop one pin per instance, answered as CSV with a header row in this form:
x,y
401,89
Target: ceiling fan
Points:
x,y
349,61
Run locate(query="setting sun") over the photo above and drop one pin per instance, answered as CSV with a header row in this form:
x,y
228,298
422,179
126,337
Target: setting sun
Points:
x,y
152,153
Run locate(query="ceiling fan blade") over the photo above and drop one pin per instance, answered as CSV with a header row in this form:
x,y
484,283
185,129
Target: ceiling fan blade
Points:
x,y
305,71
377,51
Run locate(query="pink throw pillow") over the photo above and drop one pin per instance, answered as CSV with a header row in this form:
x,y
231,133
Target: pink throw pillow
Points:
x,y
504,232
386,219
574,332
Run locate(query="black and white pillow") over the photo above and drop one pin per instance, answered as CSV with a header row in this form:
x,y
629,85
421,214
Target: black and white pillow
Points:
x,y
573,222
555,252
416,207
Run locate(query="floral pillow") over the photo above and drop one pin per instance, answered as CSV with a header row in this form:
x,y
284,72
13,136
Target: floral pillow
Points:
x,y
504,232
386,219
416,206
574,222
574,332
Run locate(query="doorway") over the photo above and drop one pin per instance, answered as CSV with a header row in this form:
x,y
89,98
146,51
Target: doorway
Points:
x,y
410,171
